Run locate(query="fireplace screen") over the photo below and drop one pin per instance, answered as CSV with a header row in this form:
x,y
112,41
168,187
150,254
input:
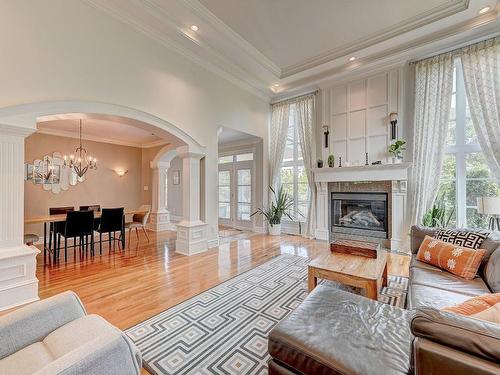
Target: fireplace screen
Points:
x,y
360,211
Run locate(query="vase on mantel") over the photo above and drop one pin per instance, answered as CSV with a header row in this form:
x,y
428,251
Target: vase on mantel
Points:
x,y
397,160
275,229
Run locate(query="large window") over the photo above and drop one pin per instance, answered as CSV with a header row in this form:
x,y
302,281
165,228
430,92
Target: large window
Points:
x,y
466,175
292,175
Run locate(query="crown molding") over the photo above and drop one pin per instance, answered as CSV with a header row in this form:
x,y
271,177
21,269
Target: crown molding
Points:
x,y
423,19
231,73
229,33
69,134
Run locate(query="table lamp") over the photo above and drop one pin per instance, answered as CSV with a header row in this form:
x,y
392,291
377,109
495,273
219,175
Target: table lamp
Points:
x,y
490,206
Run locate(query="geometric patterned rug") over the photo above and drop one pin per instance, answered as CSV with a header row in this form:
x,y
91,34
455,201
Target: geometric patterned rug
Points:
x,y
224,330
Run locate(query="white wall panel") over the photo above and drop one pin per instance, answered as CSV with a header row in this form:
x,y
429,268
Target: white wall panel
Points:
x,y
357,124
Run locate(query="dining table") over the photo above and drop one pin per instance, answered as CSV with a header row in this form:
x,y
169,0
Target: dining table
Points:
x,y
47,219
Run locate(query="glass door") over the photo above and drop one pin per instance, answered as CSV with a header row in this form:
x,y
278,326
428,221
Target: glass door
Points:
x,y
243,195
225,194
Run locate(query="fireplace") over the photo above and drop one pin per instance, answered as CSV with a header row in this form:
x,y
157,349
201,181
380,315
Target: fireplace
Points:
x,y
360,214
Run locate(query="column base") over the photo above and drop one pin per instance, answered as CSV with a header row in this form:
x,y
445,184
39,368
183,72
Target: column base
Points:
x,y
18,282
191,237
159,221
322,234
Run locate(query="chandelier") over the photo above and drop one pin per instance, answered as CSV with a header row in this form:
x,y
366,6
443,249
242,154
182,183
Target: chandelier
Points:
x,y
80,162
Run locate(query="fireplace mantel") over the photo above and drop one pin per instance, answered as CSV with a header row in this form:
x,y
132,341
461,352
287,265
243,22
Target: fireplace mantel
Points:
x,y
382,172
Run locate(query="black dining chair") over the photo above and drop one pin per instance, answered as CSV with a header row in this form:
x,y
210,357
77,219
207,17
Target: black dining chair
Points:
x,y
57,227
93,207
79,225
112,221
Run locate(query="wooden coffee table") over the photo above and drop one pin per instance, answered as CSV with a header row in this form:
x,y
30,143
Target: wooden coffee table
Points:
x,y
353,270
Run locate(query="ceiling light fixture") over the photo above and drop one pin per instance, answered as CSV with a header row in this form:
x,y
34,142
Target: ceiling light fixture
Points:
x,y
484,10
194,28
82,162
352,58
276,85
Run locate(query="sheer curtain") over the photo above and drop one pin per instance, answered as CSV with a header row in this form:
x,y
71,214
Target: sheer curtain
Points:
x,y
280,113
481,67
305,112
433,91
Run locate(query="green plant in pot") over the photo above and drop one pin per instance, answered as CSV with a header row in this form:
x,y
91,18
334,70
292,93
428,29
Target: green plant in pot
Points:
x,y
331,161
281,205
437,216
396,149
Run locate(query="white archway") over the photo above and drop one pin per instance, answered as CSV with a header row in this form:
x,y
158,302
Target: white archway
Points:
x,y
18,122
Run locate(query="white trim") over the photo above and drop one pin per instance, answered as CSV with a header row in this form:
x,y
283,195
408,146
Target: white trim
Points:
x,y
213,242
69,134
382,172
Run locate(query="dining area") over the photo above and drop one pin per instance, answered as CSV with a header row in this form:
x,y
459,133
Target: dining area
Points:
x,y
86,229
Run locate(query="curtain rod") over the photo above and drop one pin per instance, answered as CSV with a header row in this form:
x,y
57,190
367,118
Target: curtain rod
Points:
x,y
295,97
456,51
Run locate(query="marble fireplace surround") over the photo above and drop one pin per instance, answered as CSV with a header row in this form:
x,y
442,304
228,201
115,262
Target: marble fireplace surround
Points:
x,y
387,178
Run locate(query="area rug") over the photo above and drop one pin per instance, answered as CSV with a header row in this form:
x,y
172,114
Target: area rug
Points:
x,y
224,330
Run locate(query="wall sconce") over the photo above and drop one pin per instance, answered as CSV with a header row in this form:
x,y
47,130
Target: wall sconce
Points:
x,y
393,119
326,133
121,172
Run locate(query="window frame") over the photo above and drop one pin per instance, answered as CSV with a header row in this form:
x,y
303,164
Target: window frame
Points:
x,y
461,150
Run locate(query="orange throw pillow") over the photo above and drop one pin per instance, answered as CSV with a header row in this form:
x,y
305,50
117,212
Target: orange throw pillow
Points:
x,y
461,261
486,307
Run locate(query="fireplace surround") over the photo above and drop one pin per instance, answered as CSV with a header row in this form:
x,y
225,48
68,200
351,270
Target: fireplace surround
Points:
x,y
360,213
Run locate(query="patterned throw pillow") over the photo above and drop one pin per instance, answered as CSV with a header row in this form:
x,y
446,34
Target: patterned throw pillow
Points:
x,y
460,261
486,307
472,240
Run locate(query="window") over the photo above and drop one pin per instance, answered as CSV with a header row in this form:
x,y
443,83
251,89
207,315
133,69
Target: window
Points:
x,y
293,177
465,175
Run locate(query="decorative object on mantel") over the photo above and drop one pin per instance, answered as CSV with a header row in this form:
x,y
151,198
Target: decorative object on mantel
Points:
x,y
340,161
396,149
83,162
281,205
378,162
360,248
490,206
326,133
320,163
331,161
393,119
51,173
366,158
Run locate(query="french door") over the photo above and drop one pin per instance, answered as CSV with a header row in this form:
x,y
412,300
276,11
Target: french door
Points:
x,y
235,194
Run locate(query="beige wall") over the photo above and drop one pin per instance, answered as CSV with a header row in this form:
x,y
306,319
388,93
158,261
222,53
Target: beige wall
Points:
x,y
103,186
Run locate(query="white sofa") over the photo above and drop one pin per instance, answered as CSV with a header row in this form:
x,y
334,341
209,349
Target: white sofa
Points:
x,y
56,336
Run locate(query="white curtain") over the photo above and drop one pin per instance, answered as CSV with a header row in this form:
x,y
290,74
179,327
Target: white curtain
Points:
x,y
280,113
481,67
305,112
433,91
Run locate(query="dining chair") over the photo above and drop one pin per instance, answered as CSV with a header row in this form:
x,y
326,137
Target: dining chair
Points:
x,y
112,221
79,225
139,221
57,227
93,207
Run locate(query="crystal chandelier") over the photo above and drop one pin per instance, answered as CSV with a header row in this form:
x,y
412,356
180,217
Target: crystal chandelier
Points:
x,y
82,162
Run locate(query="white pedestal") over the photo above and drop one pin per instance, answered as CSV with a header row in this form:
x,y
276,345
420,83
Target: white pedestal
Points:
x,y
159,221
191,238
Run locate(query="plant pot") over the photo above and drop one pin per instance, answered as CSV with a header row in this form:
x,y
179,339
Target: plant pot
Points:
x,y
275,230
397,160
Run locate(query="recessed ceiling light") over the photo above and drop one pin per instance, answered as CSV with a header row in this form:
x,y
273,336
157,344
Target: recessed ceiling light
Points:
x,y
194,27
484,10
276,85
352,58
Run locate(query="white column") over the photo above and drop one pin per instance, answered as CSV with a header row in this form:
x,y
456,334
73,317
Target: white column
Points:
x,y
18,283
322,204
191,231
160,217
399,227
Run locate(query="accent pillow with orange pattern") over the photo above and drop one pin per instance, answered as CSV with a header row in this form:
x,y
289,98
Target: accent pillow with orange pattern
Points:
x,y
486,307
460,261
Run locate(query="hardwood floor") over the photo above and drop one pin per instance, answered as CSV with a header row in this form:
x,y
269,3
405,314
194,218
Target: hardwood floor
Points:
x,y
130,286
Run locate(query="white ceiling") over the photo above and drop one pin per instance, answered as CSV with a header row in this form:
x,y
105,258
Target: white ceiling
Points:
x,y
100,130
228,135
290,32
299,44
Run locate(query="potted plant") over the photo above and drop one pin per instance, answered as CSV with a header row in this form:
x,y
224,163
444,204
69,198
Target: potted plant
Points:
x,y
320,163
437,216
396,149
331,161
281,205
